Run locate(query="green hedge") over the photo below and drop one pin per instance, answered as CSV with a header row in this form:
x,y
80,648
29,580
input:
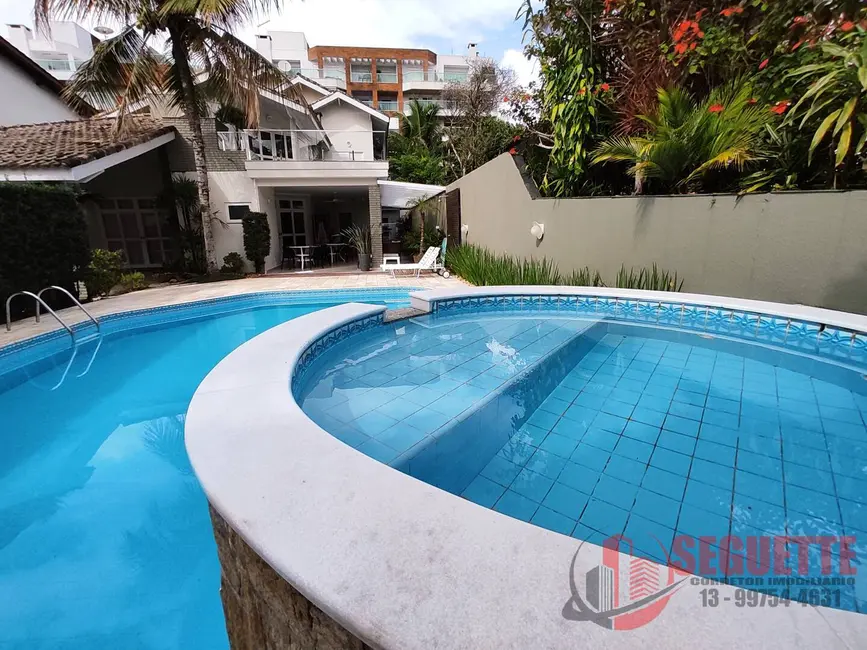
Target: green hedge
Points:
x,y
43,241
257,239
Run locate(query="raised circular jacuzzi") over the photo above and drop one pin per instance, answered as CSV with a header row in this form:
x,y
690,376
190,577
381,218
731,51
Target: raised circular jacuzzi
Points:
x,y
517,467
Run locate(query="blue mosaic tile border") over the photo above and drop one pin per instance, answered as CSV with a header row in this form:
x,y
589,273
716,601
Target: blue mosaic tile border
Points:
x,y
814,338
326,342
40,349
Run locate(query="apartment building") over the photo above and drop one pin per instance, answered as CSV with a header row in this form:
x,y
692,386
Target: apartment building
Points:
x,y
383,78
61,52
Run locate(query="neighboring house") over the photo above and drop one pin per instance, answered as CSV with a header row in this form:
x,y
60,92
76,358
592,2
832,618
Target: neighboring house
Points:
x,y
61,51
314,166
30,93
384,78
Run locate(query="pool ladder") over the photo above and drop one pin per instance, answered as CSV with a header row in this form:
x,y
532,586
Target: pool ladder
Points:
x,y
41,303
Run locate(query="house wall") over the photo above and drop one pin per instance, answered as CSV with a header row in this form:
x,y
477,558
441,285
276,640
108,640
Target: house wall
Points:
x,y
799,247
234,188
180,150
26,102
349,129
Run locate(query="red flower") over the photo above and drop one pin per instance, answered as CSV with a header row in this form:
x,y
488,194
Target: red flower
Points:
x,y
797,45
764,64
516,138
731,11
505,100
716,108
513,151
692,46
847,26
699,14
800,20
582,91
605,87
680,48
752,100
780,107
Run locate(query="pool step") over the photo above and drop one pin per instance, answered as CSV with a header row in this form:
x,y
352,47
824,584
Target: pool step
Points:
x,y
453,456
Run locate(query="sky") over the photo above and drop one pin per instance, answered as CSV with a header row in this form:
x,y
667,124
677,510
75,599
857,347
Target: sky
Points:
x,y
444,26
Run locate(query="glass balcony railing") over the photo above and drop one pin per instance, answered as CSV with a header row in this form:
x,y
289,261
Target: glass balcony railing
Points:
x,y
421,75
361,77
455,77
443,104
388,104
294,145
386,77
55,64
316,73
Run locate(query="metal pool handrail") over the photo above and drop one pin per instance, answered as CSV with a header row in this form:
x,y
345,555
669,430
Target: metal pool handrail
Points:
x,y
39,301
72,298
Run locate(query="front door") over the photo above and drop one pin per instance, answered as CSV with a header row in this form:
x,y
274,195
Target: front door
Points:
x,y
292,221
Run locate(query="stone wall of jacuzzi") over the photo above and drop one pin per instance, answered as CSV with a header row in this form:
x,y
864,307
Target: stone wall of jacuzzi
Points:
x,y
397,563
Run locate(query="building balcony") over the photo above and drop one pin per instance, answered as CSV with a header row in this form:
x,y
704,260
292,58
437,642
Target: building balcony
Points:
x,y
361,77
388,105
446,108
328,78
386,77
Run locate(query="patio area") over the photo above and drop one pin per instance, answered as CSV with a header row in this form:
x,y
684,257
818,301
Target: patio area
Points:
x,y
181,293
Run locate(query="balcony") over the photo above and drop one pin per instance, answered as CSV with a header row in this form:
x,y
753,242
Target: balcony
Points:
x,y
327,77
388,105
446,108
386,77
421,75
297,145
358,77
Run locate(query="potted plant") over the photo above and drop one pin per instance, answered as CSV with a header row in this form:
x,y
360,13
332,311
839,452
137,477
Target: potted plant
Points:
x,y
358,237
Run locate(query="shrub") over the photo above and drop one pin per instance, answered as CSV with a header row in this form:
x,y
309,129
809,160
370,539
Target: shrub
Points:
x,y
133,281
481,267
103,272
412,239
233,264
43,241
257,239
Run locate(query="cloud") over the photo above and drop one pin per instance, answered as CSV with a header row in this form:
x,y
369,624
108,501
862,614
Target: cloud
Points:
x,y
526,70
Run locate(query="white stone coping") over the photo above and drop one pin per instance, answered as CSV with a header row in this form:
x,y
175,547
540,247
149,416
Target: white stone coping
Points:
x,y
404,565
422,300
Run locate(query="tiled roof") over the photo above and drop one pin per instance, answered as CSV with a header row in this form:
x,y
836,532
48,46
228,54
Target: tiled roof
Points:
x,y
73,143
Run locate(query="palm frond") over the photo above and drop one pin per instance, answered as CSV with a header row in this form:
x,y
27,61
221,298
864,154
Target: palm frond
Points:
x,y
120,11
225,14
122,71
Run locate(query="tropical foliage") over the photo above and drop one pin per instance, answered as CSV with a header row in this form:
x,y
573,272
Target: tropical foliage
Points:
x,y
481,267
257,239
202,61
786,81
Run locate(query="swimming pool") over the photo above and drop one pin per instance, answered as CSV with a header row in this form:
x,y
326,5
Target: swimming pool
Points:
x,y
674,430
105,540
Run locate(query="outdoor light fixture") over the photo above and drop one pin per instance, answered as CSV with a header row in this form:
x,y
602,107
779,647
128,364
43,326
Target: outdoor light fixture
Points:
x,y
465,229
538,230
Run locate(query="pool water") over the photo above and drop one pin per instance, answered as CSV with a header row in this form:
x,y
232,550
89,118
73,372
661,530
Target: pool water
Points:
x,y
105,539
593,428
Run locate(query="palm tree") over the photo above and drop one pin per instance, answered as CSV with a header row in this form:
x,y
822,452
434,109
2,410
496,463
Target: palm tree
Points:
x,y
202,61
422,126
685,140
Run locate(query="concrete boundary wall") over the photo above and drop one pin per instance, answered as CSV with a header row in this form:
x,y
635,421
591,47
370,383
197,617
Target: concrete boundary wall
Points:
x,y
795,247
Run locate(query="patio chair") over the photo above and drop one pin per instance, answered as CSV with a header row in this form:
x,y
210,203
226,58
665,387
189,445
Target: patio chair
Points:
x,y
426,263
440,264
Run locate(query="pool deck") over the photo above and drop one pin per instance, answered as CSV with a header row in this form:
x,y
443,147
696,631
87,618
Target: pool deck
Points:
x,y
190,292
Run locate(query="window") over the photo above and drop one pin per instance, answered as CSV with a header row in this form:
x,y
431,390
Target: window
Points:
x,y
139,228
237,211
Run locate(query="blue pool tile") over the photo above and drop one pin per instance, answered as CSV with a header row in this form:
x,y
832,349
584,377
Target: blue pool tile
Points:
x,y
543,419
807,457
517,452
698,522
756,444
724,405
345,433
589,400
580,414
811,502
448,406
628,397
849,488
759,427
547,518
676,442
616,492
501,471
563,499
601,439
719,435
681,425
811,478
849,416
604,517
688,411
427,420
373,423
587,534
722,454
699,388
620,409
558,445
721,476
590,456
398,409
571,429
654,402
608,422
664,483
531,485
648,416
854,517
378,451
803,438
625,469
483,492
633,450
758,514
578,477
531,435
646,433
650,539
851,466
687,397
764,489
715,500
554,405
671,461
760,464
547,464
517,506
485,381
721,419
401,437
656,507
422,396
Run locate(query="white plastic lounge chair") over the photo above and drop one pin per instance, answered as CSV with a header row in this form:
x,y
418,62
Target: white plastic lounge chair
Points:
x,y
426,263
